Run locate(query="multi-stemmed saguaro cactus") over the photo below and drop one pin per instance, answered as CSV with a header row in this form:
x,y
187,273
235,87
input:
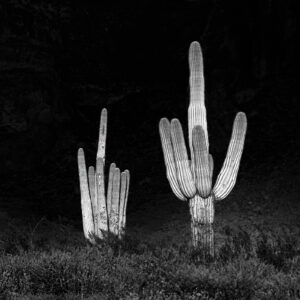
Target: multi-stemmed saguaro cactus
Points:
x,y
102,212
191,179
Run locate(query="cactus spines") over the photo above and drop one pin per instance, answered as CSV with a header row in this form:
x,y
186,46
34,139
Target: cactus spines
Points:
x,y
192,179
102,211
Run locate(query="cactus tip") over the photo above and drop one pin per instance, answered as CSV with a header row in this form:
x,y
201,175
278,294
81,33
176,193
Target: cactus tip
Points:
x,y
241,118
194,44
163,121
175,122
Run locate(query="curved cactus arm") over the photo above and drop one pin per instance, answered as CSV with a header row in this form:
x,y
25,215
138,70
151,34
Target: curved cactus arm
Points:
x,y
101,201
86,206
109,187
227,177
93,187
115,200
165,136
201,160
122,202
102,135
197,110
184,174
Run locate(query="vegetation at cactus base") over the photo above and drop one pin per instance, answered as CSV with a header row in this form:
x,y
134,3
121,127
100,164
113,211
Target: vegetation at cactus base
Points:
x,y
257,253
141,270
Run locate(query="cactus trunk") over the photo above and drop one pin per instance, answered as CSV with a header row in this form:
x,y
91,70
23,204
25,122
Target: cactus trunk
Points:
x,y
203,239
202,216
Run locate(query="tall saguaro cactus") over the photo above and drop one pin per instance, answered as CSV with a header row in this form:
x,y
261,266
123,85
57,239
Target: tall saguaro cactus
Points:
x,y
102,211
191,179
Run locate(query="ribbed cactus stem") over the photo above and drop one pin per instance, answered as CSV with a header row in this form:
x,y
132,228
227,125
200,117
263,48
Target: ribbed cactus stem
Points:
x,y
165,136
123,202
197,110
102,226
227,177
192,179
102,135
115,201
86,206
184,174
110,187
93,195
102,212
123,223
201,162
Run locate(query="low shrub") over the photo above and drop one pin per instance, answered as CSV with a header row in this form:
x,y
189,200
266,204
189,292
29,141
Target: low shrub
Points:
x,y
266,267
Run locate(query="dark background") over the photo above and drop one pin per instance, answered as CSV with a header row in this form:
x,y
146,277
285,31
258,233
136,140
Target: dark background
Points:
x,y
62,61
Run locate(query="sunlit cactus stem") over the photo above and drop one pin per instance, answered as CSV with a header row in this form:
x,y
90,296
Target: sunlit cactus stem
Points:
x,y
102,212
191,177
202,216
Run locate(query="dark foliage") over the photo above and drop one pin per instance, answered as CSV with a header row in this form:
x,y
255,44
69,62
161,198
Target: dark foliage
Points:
x,y
61,62
139,269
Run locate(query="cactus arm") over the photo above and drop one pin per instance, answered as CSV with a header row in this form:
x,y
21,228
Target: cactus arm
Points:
x,y
109,187
201,162
101,201
126,200
86,206
227,177
122,202
102,135
114,211
196,110
92,187
184,174
165,136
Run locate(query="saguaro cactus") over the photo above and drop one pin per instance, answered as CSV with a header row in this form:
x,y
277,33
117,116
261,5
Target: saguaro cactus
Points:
x,y
192,179
102,211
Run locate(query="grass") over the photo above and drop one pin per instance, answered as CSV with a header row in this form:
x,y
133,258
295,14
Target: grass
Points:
x,y
256,240
56,263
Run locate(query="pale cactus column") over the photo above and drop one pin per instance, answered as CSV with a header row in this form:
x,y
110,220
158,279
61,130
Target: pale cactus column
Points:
x,y
103,211
190,178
